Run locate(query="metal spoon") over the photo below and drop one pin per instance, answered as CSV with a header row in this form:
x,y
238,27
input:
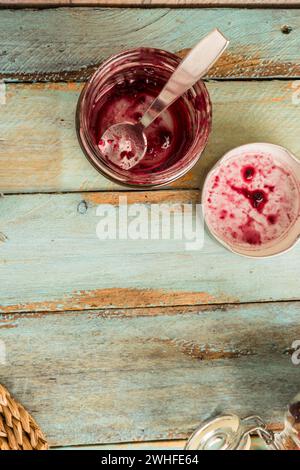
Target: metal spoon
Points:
x,y
125,144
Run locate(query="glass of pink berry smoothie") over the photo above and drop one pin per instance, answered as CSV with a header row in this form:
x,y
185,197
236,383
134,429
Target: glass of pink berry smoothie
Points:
x,y
251,200
121,90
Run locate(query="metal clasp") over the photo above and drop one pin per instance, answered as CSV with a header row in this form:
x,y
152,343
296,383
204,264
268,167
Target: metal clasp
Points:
x,y
229,432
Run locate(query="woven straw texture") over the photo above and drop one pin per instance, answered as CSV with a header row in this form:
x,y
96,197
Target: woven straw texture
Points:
x,y
18,430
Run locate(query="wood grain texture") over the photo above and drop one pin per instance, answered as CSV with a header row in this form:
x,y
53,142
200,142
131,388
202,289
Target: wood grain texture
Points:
x,y
76,40
144,3
95,377
52,260
39,149
126,372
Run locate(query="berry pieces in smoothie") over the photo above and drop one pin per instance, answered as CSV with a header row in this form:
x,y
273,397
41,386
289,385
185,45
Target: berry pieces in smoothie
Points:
x,y
250,199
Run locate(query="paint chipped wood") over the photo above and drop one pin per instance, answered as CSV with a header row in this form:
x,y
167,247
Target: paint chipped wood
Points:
x,y
77,40
167,367
149,3
89,378
39,150
117,297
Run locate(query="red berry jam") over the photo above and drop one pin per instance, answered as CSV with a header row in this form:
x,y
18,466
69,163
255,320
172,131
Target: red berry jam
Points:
x,y
168,136
121,90
248,173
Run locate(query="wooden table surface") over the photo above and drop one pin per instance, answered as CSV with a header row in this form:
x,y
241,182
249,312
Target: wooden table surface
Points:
x,y
118,342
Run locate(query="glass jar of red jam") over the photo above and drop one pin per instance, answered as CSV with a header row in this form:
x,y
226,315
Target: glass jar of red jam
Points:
x,y
121,90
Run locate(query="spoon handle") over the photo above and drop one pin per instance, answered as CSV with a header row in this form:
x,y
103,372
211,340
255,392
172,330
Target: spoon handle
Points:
x,y
189,71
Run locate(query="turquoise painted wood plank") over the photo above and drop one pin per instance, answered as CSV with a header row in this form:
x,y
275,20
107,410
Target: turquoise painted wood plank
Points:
x,y
51,259
147,3
119,376
67,44
39,149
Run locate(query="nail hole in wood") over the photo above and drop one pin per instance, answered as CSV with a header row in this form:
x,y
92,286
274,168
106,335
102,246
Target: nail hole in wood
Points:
x,y
82,207
286,29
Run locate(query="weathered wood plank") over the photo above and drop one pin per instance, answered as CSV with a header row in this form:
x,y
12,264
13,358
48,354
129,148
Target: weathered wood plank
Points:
x,y
39,149
145,3
94,377
76,40
51,259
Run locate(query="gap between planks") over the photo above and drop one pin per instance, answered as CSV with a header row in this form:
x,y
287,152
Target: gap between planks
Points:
x,y
147,311
111,195
153,3
257,444
146,445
